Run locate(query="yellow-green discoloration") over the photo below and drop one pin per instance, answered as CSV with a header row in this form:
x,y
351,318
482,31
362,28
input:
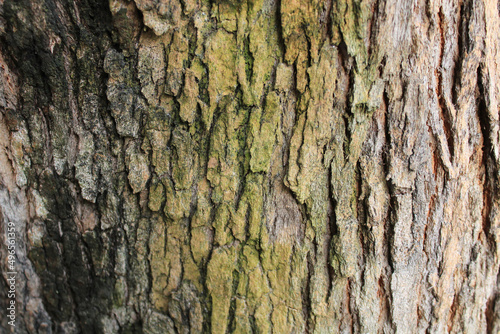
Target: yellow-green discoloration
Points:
x,y
220,283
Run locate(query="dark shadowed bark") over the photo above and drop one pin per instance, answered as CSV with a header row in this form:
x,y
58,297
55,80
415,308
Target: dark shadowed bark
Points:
x,y
267,166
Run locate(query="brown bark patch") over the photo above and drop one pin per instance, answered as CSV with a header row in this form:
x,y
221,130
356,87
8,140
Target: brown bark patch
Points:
x,y
285,219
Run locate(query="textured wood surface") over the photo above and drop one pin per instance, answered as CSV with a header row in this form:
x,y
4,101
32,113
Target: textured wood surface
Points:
x,y
267,166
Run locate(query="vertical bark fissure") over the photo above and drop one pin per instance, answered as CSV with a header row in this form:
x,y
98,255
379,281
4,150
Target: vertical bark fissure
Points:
x,y
279,29
373,27
489,176
306,297
333,231
386,156
462,31
445,114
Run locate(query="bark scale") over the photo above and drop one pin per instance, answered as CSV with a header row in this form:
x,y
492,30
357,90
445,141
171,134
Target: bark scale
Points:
x,y
272,166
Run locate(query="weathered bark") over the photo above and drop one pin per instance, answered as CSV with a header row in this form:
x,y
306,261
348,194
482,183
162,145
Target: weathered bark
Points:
x,y
277,166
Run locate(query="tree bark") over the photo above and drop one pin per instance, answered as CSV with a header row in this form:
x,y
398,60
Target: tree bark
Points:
x,y
267,166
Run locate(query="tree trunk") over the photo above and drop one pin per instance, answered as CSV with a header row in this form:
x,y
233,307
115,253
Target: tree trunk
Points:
x,y
267,166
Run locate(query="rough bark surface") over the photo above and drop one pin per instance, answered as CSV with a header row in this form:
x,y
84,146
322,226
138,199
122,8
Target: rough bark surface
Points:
x,y
267,166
